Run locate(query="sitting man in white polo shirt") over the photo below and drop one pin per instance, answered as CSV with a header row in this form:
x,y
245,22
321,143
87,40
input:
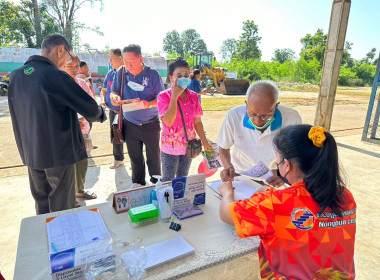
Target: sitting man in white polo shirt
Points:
x,y
251,128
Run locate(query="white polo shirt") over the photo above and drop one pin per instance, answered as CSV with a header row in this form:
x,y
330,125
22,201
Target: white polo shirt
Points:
x,y
250,145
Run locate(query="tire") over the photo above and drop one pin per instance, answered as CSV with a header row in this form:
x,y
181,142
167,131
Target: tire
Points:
x,y
3,91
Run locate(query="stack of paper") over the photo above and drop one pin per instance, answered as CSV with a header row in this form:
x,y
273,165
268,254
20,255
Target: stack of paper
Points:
x,y
163,252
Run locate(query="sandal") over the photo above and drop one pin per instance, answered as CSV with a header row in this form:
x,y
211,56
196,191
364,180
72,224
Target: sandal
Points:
x,y
87,195
77,204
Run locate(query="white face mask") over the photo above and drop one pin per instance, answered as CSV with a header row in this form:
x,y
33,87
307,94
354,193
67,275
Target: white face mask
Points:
x,y
135,86
183,82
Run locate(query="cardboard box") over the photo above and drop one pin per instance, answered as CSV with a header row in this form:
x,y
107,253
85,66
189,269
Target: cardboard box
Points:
x,y
71,264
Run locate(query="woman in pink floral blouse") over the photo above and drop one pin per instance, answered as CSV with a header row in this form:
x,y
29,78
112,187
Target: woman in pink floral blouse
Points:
x,y
175,164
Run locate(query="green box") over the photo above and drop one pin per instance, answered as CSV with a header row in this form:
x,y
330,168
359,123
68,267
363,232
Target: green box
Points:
x,y
144,212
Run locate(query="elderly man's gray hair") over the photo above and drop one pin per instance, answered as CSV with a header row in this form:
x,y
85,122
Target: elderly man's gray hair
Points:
x,y
262,88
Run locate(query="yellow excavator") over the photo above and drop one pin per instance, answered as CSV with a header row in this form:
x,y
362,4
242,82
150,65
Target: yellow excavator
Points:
x,y
203,62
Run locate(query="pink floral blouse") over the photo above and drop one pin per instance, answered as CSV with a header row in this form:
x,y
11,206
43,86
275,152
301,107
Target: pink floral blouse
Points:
x,y
173,139
84,125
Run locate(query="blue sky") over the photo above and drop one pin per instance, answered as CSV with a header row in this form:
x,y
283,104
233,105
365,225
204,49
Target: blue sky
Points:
x,y
281,23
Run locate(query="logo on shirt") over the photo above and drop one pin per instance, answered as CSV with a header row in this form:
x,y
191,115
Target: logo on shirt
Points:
x,y
302,218
145,81
29,71
109,83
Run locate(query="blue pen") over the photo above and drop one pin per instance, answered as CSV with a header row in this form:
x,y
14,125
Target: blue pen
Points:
x,y
55,248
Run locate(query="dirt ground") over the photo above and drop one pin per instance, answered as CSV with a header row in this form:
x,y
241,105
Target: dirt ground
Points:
x,y
360,161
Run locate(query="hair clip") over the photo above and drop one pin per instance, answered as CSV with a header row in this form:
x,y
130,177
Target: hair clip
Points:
x,y
317,135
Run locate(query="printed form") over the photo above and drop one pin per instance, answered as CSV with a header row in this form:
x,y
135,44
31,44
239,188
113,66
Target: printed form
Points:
x,y
75,230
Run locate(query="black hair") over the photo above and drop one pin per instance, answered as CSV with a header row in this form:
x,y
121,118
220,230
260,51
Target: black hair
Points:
x,y
195,72
116,52
323,178
179,62
55,40
133,48
82,63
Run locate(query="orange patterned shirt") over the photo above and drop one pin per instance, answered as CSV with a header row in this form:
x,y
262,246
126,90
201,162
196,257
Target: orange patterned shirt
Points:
x,y
297,242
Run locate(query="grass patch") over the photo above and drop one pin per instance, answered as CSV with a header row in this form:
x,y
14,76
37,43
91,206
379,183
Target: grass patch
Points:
x,y
226,103
299,87
353,92
221,103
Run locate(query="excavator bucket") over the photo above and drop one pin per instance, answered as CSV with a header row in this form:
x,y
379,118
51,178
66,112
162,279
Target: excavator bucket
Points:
x,y
235,87
222,88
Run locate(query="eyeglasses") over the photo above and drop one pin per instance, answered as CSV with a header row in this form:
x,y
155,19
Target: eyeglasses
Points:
x,y
264,118
278,164
69,53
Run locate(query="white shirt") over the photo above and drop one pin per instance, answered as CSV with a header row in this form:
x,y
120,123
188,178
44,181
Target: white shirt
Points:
x,y
250,145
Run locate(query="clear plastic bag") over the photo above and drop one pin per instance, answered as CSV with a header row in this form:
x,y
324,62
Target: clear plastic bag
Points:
x,y
127,260
134,255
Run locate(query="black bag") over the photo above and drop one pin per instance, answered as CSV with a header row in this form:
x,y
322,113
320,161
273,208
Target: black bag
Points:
x,y
117,129
193,147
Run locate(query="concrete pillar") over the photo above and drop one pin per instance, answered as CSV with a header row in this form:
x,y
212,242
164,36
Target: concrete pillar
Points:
x,y
331,64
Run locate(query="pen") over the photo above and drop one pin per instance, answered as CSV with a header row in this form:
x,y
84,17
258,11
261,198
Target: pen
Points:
x,y
54,247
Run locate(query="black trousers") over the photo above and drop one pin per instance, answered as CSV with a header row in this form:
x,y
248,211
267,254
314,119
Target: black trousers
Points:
x,y
118,150
53,189
135,137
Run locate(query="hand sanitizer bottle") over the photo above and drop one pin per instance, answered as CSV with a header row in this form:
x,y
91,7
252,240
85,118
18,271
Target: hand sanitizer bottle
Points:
x,y
153,194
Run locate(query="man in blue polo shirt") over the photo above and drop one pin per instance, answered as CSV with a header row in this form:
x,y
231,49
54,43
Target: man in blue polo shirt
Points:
x,y
141,126
116,60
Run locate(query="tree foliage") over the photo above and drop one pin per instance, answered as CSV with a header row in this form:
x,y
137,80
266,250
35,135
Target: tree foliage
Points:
x,y
228,49
247,46
20,27
189,42
63,12
173,43
282,55
314,46
9,25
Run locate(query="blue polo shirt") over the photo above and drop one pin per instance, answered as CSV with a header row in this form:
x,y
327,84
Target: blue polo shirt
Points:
x,y
153,85
194,86
108,85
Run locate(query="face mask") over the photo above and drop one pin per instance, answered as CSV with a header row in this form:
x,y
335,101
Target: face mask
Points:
x,y
183,82
135,86
260,127
283,178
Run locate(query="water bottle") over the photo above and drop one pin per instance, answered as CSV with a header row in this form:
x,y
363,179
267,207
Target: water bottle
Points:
x,y
153,194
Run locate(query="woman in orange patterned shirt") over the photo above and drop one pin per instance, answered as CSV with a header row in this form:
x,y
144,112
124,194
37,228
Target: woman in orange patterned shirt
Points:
x,y
307,230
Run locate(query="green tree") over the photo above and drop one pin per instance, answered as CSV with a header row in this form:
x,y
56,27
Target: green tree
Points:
x,y
63,12
228,49
282,55
313,46
247,46
192,42
9,26
370,57
28,25
20,25
173,43
347,60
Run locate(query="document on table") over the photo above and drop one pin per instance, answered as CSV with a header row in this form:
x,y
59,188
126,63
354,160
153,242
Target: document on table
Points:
x,y
243,189
75,230
259,171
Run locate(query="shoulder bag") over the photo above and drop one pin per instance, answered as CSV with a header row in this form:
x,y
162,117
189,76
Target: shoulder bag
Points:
x,y
193,147
117,128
